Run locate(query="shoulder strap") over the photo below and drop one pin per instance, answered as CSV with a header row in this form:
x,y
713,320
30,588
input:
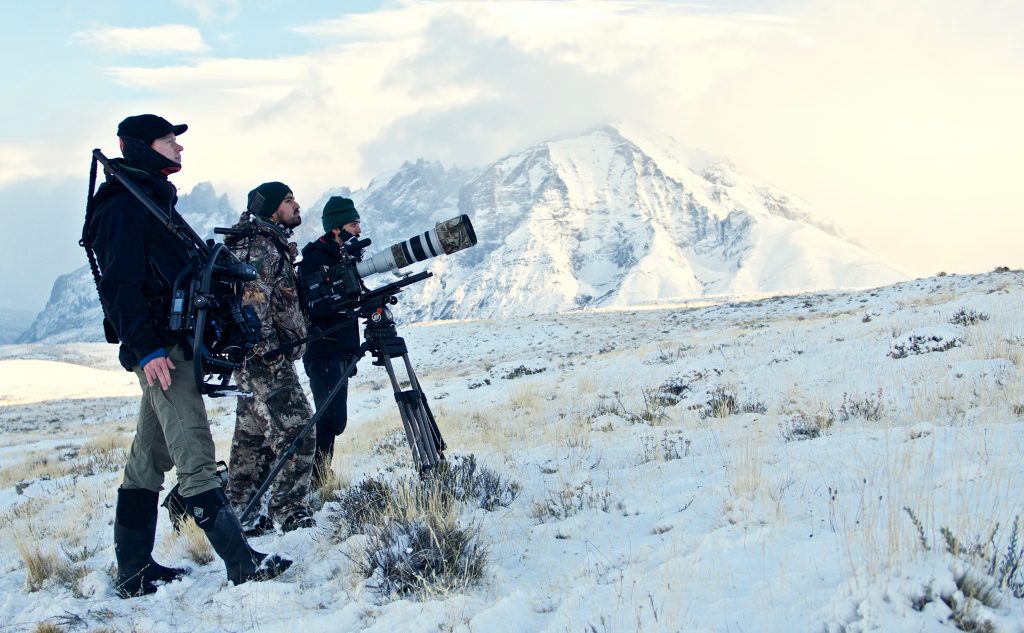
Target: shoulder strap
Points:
x,y
280,244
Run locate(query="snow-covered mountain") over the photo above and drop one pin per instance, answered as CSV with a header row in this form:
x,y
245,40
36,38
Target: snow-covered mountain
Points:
x,y
611,217
603,220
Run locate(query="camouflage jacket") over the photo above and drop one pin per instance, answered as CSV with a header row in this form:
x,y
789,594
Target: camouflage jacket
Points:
x,y
274,294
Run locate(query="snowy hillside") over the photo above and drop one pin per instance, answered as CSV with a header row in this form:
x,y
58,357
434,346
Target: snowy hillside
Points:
x,y
596,220
797,463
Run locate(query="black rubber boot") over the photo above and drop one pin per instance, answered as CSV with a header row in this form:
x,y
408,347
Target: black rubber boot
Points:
x,y
134,535
212,512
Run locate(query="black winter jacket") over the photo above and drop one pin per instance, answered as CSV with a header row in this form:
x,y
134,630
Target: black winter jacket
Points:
x,y
139,259
324,251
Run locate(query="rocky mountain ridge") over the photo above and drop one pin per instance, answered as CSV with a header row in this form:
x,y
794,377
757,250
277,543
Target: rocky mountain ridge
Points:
x,y
609,217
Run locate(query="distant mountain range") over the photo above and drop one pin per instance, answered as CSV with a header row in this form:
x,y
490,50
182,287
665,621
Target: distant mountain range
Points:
x,y
611,217
13,322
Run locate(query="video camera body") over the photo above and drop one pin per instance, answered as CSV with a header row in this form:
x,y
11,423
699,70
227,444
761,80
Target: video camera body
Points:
x,y
339,288
331,289
206,306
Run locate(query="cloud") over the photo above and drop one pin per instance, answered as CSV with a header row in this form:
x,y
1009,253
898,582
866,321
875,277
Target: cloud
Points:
x,y
213,10
150,40
893,120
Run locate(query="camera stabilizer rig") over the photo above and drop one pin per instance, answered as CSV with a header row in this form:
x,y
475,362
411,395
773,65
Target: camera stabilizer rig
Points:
x,y
206,298
380,338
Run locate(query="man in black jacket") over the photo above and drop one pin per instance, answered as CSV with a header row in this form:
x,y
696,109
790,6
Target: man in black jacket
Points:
x,y
139,258
326,357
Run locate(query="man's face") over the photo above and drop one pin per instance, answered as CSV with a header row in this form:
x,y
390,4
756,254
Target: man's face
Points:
x,y
167,146
352,227
288,213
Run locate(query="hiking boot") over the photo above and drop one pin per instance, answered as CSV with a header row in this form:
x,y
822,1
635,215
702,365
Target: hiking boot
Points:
x,y
212,512
297,520
260,526
134,535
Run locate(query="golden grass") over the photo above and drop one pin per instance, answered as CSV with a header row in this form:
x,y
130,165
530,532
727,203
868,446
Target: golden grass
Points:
x,y
106,443
34,465
190,540
329,480
24,511
40,565
360,441
43,566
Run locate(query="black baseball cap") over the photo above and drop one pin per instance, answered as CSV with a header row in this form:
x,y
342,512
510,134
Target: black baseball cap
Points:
x,y
148,127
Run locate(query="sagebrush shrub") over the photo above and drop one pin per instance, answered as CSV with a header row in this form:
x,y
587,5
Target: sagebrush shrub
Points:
x,y
983,571
566,502
426,555
968,316
868,407
806,427
364,504
723,403
466,480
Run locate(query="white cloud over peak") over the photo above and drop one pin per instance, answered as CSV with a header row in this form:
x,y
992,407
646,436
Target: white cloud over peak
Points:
x,y
149,40
868,110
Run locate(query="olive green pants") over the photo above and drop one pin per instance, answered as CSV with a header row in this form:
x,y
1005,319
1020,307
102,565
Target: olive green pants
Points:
x,y
173,432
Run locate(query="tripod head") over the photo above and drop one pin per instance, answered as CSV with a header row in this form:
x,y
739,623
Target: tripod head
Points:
x,y
371,305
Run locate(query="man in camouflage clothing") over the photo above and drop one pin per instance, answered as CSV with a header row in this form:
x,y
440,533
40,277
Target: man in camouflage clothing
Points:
x,y
268,422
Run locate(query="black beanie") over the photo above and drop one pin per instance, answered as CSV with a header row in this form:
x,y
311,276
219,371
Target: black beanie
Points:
x,y
265,199
148,127
338,212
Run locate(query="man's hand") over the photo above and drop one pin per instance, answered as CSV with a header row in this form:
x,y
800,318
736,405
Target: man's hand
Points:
x,y
159,369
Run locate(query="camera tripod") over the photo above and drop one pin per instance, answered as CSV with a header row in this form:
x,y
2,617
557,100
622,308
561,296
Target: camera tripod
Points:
x,y
380,338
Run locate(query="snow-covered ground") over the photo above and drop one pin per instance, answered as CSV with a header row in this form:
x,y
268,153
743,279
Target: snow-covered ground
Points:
x,y
773,465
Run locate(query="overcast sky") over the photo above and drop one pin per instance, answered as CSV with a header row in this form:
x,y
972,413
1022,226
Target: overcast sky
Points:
x,y
898,120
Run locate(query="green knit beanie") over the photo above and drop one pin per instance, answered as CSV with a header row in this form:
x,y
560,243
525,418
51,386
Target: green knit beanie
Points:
x,y
338,212
265,199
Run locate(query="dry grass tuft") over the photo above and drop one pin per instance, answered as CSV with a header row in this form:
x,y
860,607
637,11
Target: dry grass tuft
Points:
x,y
43,567
106,443
40,565
415,545
192,540
329,482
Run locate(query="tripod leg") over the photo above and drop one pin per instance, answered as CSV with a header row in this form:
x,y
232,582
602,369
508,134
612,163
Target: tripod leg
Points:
x,y
430,422
416,420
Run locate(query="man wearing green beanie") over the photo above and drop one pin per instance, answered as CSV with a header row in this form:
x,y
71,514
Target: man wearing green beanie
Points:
x,y
339,212
325,358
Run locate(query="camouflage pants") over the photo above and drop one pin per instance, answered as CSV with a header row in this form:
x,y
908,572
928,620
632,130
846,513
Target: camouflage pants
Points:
x,y
265,425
